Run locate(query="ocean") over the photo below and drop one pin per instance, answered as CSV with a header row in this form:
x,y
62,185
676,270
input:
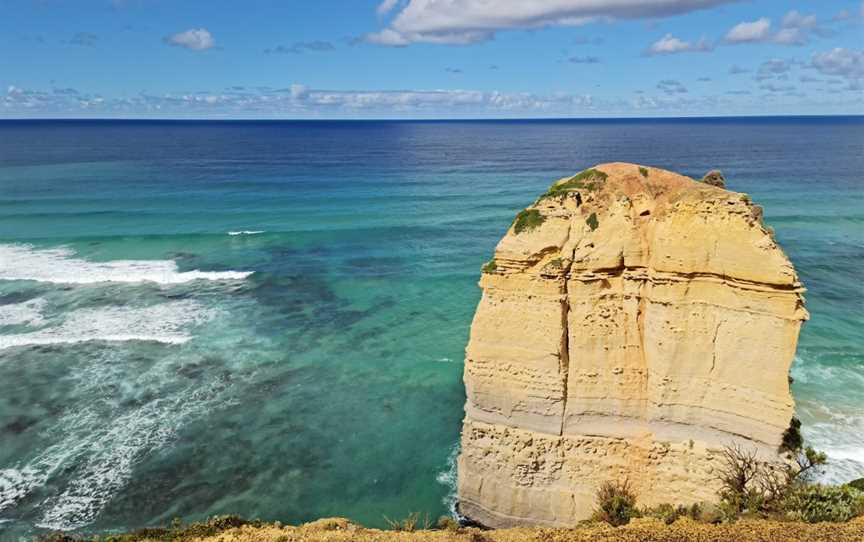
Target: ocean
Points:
x,y
269,318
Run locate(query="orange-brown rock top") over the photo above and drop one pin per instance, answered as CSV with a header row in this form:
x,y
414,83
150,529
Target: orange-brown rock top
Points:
x,y
340,530
633,322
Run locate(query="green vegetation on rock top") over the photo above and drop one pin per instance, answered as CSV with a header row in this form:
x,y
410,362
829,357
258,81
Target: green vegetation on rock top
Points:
x,y
590,179
527,220
592,221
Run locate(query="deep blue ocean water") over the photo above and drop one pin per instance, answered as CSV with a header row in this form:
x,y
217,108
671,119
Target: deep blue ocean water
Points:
x,y
269,318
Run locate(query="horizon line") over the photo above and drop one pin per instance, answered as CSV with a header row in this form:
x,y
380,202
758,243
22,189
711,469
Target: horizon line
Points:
x,y
421,119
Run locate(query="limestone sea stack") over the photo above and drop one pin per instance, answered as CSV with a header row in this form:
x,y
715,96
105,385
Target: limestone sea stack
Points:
x,y
633,323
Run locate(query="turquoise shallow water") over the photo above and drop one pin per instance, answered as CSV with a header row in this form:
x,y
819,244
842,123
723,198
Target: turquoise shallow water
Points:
x,y
158,362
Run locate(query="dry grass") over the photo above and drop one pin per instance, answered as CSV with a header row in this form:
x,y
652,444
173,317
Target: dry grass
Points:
x,y
639,530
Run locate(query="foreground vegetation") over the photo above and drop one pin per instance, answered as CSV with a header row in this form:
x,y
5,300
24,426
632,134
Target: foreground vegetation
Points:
x,y
751,488
637,530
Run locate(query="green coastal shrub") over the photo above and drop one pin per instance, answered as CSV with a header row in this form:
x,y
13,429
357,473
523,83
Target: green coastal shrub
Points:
x,y
814,503
643,171
665,512
411,523
727,512
747,484
857,484
447,523
808,464
590,179
792,439
592,221
527,220
751,486
616,503
490,266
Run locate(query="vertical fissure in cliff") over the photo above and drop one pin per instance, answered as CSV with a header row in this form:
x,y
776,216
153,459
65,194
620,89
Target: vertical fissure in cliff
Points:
x,y
714,347
564,355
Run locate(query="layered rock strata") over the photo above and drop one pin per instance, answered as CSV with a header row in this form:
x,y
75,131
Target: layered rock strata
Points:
x,y
633,323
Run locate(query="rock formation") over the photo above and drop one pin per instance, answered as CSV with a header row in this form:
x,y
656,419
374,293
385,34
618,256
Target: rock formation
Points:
x,y
633,322
715,178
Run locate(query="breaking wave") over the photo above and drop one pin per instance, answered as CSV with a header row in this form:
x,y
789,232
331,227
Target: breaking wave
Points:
x,y
60,266
837,432
28,313
835,428
165,323
245,232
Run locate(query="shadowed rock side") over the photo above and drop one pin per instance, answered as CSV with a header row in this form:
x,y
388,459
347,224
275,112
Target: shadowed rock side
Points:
x,y
633,322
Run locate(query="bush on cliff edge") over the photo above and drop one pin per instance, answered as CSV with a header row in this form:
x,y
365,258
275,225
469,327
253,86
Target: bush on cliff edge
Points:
x,y
616,503
814,503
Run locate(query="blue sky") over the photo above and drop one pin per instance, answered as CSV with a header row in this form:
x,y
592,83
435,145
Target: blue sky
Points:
x,y
429,58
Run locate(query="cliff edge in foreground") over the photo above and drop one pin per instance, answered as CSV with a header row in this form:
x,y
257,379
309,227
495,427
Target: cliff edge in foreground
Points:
x,y
633,323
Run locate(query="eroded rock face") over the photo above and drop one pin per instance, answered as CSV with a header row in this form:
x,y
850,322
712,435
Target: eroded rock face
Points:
x,y
636,326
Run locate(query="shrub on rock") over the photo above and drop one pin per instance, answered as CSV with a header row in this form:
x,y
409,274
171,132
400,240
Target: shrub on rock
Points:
x,y
814,503
616,503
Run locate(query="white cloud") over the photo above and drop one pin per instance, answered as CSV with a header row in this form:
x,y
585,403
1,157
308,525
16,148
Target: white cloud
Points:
x,y
849,14
388,37
299,47
794,19
28,100
669,44
841,62
299,101
386,7
758,30
795,29
471,21
197,39
671,87
773,68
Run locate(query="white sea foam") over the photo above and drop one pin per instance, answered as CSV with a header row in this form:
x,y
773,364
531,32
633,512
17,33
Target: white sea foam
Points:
x,y
832,422
15,484
848,453
107,468
836,430
813,372
60,266
448,478
114,448
245,232
164,323
28,313
97,444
